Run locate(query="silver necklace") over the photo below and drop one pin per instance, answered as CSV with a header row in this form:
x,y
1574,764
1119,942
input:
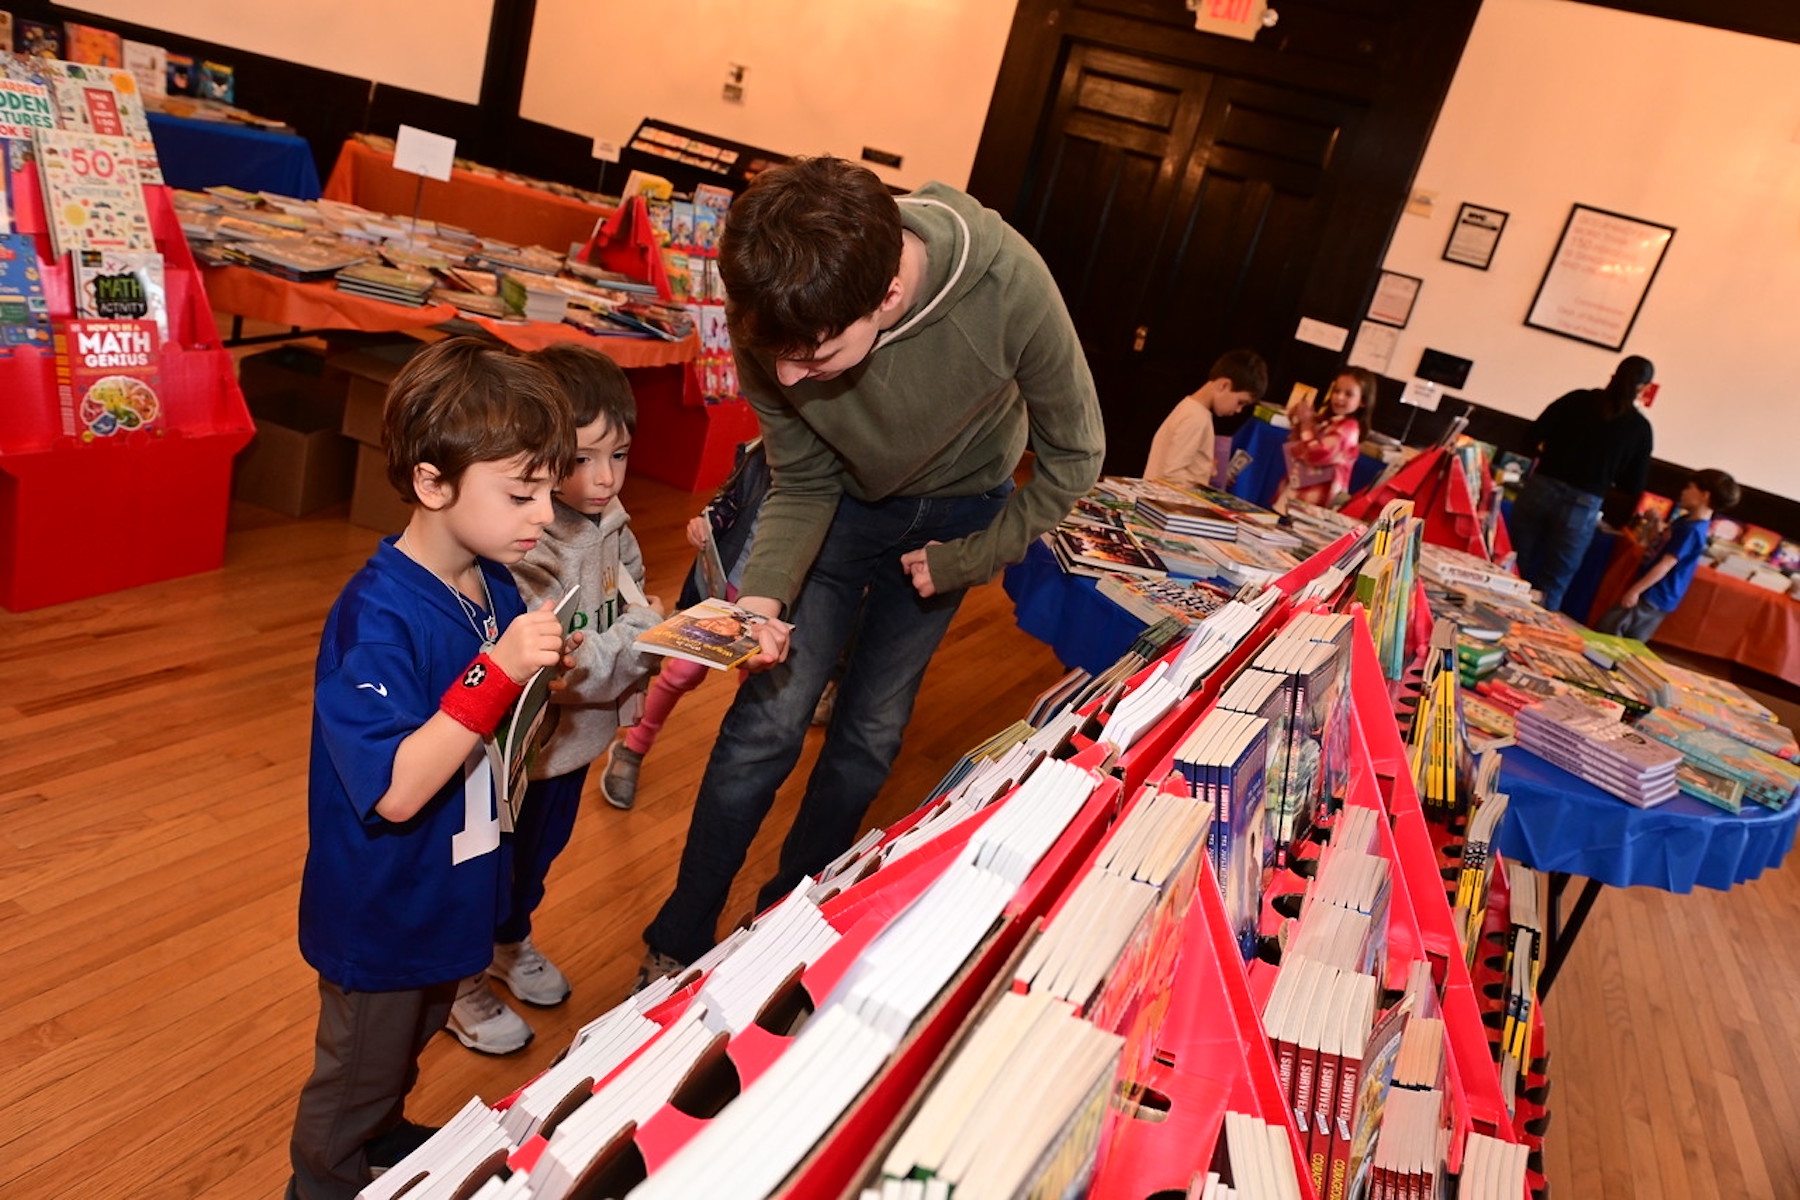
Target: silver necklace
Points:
x,y
486,628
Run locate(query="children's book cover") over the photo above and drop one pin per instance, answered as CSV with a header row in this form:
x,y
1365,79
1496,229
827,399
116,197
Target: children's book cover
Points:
x,y
178,80
92,45
24,107
714,633
122,285
1759,541
24,314
216,81
91,192
40,39
106,375
516,741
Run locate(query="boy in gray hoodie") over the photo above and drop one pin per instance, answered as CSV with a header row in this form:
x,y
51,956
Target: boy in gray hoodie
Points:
x,y
589,543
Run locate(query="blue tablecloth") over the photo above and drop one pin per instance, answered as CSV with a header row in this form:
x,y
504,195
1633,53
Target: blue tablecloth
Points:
x,y
1259,481
1066,612
201,154
1557,822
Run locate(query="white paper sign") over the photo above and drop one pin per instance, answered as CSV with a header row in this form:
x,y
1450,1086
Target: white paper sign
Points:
x,y
1321,333
1373,349
422,153
606,151
1422,393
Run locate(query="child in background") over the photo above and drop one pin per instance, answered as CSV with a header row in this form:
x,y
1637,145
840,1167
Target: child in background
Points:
x,y
1182,451
1656,591
732,516
425,651
588,543
1326,438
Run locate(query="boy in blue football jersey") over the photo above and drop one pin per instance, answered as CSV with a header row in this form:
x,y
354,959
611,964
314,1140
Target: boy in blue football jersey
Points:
x,y
1656,591
424,652
589,543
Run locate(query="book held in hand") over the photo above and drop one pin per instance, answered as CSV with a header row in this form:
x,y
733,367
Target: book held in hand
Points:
x,y
517,738
714,633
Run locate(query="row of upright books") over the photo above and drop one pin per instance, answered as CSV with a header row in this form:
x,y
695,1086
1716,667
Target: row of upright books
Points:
x,y
988,998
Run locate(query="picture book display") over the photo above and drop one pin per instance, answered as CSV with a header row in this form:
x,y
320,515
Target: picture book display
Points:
x,y
24,313
24,107
92,196
714,633
516,739
113,285
106,376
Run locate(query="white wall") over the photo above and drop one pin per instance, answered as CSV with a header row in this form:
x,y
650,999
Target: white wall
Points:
x,y
431,46
1558,103
908,76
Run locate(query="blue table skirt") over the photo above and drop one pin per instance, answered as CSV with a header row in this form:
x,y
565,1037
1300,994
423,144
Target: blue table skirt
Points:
x,y
1066,612
1557,822
1259,481
202,154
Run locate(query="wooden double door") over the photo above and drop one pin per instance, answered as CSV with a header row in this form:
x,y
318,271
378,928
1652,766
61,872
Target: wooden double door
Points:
x,y
1188,207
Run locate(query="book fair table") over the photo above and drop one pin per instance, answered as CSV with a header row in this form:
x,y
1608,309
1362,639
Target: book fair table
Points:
x,y
1258,481
1721,616
481,203
1065,612
198,154
1565,826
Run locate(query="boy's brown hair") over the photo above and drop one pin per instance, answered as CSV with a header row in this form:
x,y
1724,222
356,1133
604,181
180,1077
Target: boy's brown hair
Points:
x,y
595,385
463,401
1722,491
1245,370
808,249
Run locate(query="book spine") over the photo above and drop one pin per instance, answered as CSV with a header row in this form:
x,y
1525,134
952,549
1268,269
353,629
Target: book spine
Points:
x,y
1318,1138
1337,1176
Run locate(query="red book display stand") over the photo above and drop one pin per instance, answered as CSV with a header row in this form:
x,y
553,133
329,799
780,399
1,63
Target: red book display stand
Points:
x,y
84,518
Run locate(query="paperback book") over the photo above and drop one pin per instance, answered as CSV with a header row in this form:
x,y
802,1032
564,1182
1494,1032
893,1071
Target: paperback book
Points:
x,y
92,196
714,633
106,375
518,737
113,285
24,313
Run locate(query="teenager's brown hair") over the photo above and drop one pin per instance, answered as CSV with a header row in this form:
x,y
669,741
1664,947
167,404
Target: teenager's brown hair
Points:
x,y
595,385
463,401
808,249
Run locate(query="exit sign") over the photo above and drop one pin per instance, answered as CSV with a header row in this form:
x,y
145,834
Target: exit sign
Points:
x,y
1232,18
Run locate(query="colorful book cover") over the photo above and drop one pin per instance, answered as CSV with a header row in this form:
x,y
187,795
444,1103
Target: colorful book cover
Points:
x,y
1786,556
216,81
122,285
149,65
24,314
107,101
91,192
24,107
714,633
39,39
1652,505
106,375
178,80
1759,541
92,45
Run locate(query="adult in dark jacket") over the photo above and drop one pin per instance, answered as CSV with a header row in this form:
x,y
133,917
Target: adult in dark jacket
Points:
x,y
1586,442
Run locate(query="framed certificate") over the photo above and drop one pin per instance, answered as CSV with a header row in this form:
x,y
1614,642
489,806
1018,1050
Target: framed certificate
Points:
x,y
1474,236
1597,279
1394,297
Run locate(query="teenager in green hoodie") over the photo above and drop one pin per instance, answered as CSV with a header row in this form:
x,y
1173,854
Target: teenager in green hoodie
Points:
x,y
901,356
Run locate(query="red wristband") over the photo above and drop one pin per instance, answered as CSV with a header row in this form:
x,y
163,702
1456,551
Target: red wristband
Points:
x,y
482,697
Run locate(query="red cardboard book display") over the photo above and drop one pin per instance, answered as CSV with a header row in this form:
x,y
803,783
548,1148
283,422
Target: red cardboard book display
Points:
x,y
84,517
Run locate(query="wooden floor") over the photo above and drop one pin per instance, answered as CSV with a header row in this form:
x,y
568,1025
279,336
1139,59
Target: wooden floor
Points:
x,y
156,1017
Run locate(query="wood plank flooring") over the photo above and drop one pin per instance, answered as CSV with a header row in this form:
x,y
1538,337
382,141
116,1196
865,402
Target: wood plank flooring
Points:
x,y
156,1017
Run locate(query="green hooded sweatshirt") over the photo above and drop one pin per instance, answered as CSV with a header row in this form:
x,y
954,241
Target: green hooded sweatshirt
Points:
x,y
984,364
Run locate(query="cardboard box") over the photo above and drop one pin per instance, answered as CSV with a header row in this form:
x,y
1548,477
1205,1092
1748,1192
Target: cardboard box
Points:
x,y
374,504
292,370
298,462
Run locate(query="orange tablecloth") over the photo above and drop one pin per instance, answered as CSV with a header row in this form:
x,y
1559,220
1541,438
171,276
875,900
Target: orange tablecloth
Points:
x,y
262,297
482,204
1721,616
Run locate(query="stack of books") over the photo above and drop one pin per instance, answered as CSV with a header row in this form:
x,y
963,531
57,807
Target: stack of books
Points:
x,y
396,285
1606,753
1225,763
1151,599
1190,516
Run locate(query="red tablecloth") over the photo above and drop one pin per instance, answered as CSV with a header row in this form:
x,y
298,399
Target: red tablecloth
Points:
x,y
1721,616
483,204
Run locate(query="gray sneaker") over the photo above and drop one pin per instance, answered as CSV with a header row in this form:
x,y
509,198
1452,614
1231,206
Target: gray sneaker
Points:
x,y
619,784
481,1021
533,978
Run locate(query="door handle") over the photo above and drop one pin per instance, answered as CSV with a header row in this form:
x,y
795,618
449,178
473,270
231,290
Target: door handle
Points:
x,y
1137,341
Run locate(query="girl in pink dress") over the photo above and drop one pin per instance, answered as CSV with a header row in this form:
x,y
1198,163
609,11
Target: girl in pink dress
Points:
x,y
1326,438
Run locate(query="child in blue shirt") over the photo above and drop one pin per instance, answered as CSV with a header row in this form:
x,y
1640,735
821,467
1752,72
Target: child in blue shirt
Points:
x,y
590,543
426,649
1656,591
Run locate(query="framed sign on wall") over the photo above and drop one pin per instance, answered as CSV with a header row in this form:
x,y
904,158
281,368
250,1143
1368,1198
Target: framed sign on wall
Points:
x,y
1596,281
1474,236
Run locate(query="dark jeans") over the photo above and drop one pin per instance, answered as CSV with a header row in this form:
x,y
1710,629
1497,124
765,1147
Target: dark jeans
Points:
x,y
856,595
1639,622
1551,525
365,1061
546,821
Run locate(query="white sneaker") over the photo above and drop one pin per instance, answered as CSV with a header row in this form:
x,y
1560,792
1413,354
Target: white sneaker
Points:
x,y
481,1021
533,978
